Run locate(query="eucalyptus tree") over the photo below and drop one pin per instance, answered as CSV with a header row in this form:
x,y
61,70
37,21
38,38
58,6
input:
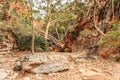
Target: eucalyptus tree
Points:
x,y
49,9
59,14
30,2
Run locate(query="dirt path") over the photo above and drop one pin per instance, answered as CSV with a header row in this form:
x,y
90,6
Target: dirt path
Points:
x,y
80,69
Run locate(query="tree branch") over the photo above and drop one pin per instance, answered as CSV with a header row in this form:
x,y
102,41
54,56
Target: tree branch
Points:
x,y
95,24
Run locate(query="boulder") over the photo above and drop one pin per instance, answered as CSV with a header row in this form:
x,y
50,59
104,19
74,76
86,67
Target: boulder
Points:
x,y
50,67
42,63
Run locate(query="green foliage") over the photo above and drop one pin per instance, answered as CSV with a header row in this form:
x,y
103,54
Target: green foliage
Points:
x,y
1,38
19,23
35,11
85,32
3,10
112,38
79,9
24,42
64,21
14,12
64,15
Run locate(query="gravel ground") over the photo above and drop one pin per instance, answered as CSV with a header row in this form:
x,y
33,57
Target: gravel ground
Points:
x,y
80,69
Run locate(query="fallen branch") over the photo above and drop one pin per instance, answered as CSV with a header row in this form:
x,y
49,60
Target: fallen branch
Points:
x,y
50,38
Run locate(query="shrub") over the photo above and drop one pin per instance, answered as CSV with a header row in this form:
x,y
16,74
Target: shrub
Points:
x,y
24,42
112,38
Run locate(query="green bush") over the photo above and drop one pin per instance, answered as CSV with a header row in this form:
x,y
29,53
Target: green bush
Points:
x,y
24,42
112,38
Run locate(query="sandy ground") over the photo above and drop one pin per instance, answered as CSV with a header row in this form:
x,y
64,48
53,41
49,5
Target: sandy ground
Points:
x,y
80,69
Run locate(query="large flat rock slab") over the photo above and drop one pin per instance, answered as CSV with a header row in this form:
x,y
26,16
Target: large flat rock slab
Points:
x,y
50,67
42,63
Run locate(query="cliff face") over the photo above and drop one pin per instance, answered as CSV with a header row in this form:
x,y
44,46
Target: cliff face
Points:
x,y
95,23
6,7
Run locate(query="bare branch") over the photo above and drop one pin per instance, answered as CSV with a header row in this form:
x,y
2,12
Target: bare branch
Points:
x,y
95,24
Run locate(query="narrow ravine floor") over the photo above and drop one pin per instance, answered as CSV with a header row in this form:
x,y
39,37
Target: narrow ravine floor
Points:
x,y
80,69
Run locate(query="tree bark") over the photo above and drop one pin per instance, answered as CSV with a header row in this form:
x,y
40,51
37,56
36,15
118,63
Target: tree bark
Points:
x,y
113,14
30,2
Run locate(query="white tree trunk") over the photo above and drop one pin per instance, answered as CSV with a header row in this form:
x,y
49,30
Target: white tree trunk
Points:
x,y
30,2
95,24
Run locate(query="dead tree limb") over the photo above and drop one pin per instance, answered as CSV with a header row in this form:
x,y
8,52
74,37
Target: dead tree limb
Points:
x,y
94,18
50,38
